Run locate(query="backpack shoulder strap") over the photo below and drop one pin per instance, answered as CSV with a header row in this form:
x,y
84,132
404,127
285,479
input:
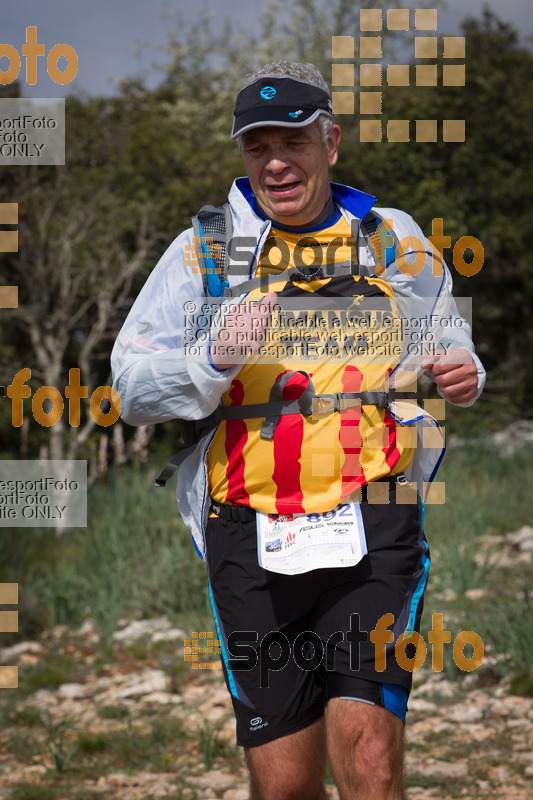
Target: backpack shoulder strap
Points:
x,y
212,230
374,233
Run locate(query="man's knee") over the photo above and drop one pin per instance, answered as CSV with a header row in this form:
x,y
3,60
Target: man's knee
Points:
x,y
288,784
365,739
289,768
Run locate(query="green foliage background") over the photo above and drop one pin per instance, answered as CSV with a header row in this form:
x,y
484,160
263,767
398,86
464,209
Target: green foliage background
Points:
x,y
141,162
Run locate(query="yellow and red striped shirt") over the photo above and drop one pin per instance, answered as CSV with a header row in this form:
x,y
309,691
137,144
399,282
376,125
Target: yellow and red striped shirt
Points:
x,y
313,462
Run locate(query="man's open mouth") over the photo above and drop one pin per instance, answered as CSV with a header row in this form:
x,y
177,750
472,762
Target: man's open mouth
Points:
x,y
283,188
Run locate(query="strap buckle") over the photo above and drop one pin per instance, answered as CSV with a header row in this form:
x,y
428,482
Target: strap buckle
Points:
x,y
322,405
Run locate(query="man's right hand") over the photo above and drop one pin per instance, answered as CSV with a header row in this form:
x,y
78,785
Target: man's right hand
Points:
x,y
244,333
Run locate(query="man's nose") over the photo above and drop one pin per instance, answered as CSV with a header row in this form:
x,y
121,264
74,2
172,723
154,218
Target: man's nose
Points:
x,y
277,162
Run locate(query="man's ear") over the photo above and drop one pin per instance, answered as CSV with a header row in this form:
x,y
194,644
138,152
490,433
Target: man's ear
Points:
x,y
333,145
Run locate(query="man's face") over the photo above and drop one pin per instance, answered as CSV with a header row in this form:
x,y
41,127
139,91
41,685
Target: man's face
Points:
x,y
289,170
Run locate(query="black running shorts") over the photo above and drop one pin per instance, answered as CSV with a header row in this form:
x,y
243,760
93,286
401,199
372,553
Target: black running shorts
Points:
x,y
290,643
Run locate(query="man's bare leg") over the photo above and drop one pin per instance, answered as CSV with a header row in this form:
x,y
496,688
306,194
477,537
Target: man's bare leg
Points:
x,y
290,768
365,748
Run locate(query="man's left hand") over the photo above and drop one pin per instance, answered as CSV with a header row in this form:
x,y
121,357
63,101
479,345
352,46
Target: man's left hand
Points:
x,y
455,374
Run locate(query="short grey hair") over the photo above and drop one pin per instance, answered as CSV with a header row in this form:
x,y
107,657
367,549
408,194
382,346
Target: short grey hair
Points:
x,y
305,72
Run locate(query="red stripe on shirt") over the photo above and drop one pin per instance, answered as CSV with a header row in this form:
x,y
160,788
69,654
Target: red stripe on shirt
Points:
x,y
352,475
391,452
288,438
236,437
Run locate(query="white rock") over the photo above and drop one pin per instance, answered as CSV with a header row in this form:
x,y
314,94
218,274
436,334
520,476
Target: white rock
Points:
x,y
141,627
417,704
45,697
71,691
437,685
465,713
522,538
36,769
475,594
16,650
216,781
168,636
117,779
164,698
443,769
101,684
237,794
149,681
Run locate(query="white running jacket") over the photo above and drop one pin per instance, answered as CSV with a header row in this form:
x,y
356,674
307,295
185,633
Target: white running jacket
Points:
x,y
160,375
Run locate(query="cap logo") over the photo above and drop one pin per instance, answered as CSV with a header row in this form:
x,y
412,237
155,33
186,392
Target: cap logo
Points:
x,y
267,92
295,114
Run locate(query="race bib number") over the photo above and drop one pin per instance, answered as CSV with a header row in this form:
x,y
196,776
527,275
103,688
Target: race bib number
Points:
x,y
294,543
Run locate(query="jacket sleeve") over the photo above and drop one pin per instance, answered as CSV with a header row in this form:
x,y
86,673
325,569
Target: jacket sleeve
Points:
x,y
429,312
161,360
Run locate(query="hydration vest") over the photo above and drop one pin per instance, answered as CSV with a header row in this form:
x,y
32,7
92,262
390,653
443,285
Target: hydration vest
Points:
x,y
212,231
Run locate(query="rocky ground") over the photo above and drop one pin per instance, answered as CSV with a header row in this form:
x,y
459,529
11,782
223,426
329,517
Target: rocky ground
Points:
x,y
144,726
135,720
